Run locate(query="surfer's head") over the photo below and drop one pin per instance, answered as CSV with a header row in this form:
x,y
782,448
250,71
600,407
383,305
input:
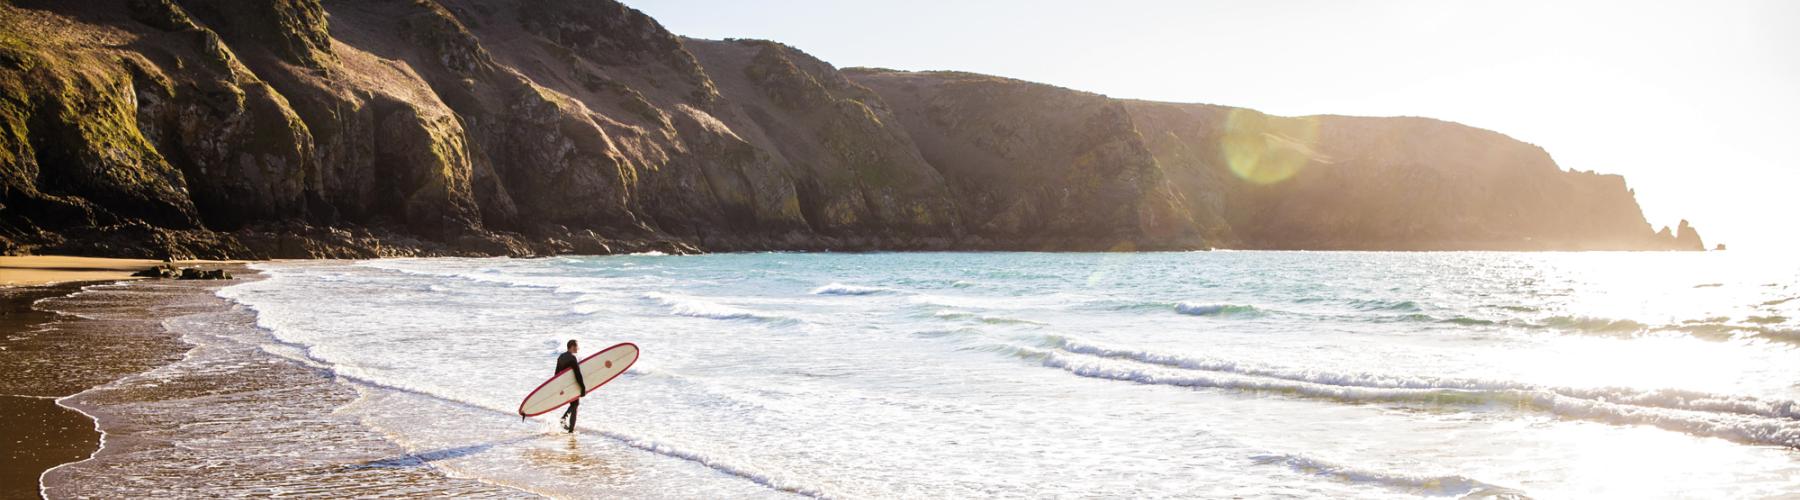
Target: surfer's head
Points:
x,y
573,345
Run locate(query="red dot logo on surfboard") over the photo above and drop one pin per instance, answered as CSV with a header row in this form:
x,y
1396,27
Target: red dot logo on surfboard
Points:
x,y
559,390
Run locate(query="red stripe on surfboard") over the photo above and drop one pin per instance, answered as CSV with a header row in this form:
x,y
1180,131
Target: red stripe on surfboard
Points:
x,y
578,367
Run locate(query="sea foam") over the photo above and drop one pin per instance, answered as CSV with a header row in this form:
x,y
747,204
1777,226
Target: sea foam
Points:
x,y
843,289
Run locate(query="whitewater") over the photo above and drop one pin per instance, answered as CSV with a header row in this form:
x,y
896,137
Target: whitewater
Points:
x,y
1199,374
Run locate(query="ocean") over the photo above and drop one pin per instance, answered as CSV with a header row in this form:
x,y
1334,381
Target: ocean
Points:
x,y
954,375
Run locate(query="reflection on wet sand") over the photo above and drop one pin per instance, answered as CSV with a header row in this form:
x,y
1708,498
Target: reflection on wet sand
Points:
x,y
46,355
425,458
569,460
464,440
226,417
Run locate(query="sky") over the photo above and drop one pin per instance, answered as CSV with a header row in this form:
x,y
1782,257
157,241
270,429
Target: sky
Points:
x,y
1696,103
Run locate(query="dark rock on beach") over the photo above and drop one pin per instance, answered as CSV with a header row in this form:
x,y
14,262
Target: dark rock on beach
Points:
x,y
191,273
354,129
185,273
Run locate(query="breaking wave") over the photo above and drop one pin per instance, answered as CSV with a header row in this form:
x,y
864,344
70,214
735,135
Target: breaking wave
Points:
x,y
1217,310
1384,305
1452,485
1740,428
1736,418
1467,321
992,320
682,305
1662,398
843,289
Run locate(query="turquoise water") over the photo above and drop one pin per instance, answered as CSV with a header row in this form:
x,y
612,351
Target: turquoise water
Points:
x,y
1206,374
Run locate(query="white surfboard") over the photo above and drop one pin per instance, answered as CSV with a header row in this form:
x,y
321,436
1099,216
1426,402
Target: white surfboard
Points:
x,y
596,370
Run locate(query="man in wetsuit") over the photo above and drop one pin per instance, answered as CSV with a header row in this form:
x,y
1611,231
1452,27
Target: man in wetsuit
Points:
x,y
567,361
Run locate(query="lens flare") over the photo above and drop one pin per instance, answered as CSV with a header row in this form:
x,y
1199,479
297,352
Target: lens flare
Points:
x,y
1264,149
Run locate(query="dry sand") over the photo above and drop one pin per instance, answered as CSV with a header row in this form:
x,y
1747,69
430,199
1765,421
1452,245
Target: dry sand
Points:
x,y
47,269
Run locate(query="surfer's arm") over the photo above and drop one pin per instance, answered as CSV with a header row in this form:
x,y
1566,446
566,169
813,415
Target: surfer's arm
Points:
x,y
579,381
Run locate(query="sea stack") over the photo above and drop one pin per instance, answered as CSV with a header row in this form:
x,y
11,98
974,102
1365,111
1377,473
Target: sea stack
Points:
x,y
1688,239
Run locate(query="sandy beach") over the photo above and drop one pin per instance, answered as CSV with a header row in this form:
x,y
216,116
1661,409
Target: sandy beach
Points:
x,y
30,270
51,352
45,434
49,269
176,384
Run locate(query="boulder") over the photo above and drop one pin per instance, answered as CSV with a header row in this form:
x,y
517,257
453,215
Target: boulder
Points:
x,y
162,271
195,273
169,271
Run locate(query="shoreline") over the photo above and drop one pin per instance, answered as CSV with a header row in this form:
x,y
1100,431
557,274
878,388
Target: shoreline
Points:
x,y
47,434
38,270
183,397
40,348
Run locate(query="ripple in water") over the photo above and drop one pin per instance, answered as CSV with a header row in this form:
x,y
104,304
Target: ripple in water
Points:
x,y
960,375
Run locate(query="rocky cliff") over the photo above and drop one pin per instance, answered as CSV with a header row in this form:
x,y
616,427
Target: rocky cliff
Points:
x,y
358,128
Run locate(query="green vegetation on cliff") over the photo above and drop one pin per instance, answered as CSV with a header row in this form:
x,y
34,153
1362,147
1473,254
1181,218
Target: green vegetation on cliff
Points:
x,y
359,128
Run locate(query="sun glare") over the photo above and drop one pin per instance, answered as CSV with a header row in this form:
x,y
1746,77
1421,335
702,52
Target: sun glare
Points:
x,y
1266,149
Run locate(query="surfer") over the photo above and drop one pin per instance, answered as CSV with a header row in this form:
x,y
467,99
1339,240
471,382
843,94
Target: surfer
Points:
x,y
567,361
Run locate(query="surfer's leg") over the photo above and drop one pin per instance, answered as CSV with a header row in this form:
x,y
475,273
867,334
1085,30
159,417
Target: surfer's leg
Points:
x,y
570,414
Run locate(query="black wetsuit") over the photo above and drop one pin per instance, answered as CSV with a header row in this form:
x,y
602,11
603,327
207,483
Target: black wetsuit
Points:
x,y
567,361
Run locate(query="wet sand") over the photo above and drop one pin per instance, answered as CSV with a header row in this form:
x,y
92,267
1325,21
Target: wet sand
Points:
x,y
40,434
191,402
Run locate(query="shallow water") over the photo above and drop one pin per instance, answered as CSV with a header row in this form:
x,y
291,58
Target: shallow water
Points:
x,y
1021,374
192,406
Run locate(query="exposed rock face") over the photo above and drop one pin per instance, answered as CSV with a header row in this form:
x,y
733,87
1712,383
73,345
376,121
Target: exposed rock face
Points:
x,y
361,128
1686,238
1037,165
1187,174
